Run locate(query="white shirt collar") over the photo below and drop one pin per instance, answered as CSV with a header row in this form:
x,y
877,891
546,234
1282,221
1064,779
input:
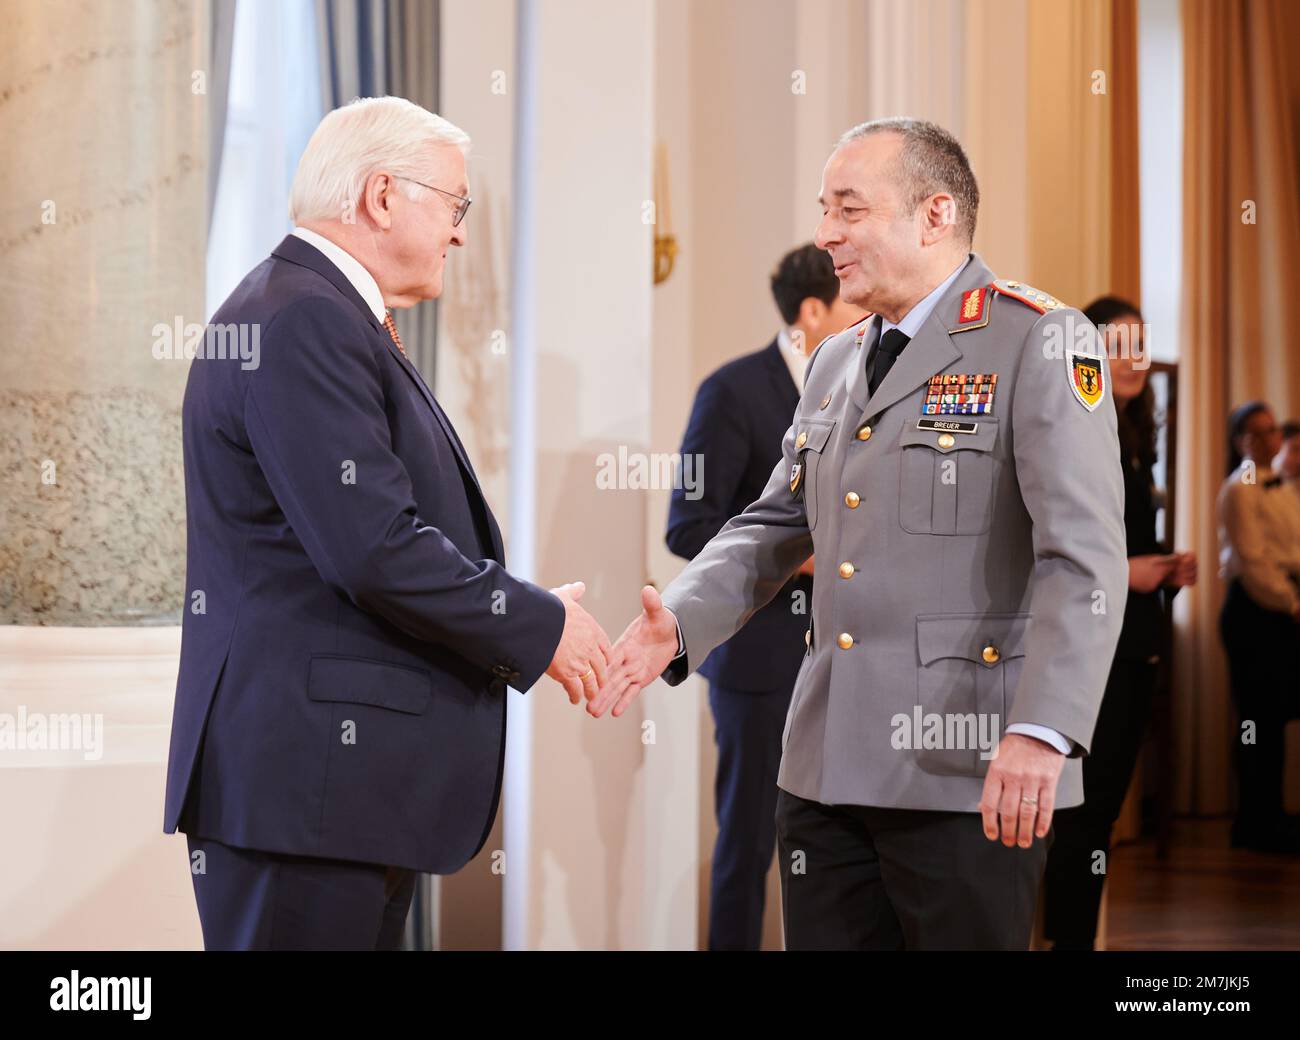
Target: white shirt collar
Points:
x,y
795,361
915,318
362,280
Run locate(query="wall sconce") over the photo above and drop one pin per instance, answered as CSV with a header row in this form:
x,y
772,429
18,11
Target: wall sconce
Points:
x,y
665,241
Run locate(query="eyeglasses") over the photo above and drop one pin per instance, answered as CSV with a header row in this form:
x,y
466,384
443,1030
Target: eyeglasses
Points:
x,y
461,210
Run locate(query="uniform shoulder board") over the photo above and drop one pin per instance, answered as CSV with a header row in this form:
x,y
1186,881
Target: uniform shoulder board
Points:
x,y
1041,302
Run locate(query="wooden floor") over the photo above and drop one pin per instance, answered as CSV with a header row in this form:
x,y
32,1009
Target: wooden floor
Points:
x,y
1204,896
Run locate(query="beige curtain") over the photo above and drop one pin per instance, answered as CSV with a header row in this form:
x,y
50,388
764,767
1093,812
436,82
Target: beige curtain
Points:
x,y
1241,239
1082,156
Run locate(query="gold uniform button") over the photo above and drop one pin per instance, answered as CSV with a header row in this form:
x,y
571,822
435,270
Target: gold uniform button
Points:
x,y
846,570
826,400
991,654
802,440
946,440
845,640
852,500
864,434
807,637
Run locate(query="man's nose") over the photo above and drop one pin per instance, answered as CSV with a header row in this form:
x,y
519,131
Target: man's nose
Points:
x,y
827,232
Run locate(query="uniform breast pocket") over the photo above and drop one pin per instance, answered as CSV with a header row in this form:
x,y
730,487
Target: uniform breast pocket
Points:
x,y
810,443
947,479
969,665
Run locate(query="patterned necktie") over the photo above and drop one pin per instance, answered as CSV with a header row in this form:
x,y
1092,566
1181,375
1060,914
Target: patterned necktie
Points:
x,y
391,326
887,351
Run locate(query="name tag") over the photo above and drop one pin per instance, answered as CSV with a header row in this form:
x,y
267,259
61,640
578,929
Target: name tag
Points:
x,y
947,425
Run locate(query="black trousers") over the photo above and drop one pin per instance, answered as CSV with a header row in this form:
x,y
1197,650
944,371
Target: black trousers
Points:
x,y
254,900
1075,874
1261,648
855,877
747,729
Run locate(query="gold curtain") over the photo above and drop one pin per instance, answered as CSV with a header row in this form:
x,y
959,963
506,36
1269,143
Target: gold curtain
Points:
x,y
1082,149
1241,238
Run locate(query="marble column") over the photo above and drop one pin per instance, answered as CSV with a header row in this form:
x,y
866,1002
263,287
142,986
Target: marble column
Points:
x,y
102,233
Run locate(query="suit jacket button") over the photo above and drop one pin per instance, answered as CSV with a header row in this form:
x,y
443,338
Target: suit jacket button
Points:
x,y
825,401
852,500
807,638
947,440
864,434
991,654
845,640
801,440
846,570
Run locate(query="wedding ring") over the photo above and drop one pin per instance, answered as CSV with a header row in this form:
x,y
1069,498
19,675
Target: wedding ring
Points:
x,y
1026,800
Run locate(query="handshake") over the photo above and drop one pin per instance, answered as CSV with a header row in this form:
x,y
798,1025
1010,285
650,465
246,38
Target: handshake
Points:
x,y
587,666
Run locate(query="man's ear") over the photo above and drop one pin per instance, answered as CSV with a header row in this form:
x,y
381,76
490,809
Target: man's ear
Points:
x,y
812,312
376,199
938,218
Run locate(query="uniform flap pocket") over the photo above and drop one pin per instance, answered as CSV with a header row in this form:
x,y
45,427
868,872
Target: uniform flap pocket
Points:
x,y
813,434
951,433
361,681
982,638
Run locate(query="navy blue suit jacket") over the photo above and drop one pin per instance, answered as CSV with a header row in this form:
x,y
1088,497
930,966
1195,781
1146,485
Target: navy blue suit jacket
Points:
x,y
342,692
740,415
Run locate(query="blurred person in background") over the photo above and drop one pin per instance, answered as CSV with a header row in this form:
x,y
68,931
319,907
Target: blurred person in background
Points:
x,y
1259,555
1071,886
1286,463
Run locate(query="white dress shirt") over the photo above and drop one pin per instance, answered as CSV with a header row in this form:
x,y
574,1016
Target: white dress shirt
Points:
x,y
1259,537
795,360
362,280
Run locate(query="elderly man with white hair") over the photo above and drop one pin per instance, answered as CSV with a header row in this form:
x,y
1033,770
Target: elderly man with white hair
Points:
x,y
350,627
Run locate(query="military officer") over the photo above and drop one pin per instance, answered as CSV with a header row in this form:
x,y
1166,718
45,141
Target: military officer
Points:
x,y
952,461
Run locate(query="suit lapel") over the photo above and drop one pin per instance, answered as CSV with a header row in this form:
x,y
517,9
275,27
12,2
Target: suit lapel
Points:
x,y
855,375
932,350
461,455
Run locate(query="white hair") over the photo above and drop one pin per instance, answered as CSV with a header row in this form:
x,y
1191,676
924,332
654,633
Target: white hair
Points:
x,y
352,142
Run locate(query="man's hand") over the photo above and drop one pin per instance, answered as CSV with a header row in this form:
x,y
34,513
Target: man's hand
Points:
x,y
583,652
1184,572
807,566
1020,790
640,655
1148,573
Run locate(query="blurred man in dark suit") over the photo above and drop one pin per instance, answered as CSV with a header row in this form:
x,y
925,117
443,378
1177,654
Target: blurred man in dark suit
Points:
x,y
741,412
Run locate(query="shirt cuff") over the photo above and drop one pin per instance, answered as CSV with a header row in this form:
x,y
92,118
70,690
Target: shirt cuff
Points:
x,y
681,643
1043,733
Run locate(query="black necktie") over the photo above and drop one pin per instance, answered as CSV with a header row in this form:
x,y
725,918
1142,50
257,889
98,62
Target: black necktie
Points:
x,y
887,351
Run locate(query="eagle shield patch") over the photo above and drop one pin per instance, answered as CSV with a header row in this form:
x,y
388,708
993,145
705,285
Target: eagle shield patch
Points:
x,y
1087,378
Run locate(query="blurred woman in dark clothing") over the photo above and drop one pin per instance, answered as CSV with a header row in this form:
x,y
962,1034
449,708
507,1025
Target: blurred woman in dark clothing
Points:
x,y
1077,859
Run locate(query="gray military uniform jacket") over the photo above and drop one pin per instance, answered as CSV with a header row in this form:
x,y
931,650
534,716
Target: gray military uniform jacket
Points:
x,y
971,558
